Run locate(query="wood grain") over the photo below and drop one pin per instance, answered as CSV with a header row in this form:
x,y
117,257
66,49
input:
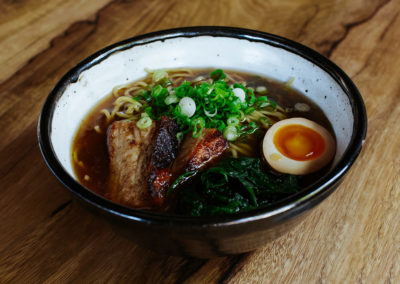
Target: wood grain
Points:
x,y
352,237
28,27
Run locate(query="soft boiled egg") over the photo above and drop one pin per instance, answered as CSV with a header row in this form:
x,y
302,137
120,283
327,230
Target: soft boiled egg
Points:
x,y
298,146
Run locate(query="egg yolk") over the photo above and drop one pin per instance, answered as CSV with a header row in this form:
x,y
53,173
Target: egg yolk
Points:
x,y
299,142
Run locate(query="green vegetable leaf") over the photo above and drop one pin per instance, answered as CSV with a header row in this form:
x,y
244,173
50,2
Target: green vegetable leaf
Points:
x,y
234,185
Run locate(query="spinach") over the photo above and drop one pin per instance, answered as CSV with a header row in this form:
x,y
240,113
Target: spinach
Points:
x,y
234,185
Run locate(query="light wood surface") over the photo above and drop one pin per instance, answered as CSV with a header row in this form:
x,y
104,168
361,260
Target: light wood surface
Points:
x,y
352,237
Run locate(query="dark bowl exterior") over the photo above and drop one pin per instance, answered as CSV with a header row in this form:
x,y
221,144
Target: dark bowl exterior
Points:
x,y
199,236
192,240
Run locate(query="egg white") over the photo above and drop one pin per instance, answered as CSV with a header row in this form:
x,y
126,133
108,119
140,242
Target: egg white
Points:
x,y
284,164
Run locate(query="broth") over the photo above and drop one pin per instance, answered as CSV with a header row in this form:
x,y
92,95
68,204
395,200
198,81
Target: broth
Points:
x,y
91,162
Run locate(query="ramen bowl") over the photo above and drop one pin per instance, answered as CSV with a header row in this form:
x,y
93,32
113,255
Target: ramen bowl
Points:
x,y
203,47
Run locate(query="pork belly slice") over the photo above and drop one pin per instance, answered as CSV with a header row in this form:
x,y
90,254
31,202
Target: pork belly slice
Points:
x,y
140,162
195,154
163,151
127,145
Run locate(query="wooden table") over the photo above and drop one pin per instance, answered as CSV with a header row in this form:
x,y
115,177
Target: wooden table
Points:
x,y
352,237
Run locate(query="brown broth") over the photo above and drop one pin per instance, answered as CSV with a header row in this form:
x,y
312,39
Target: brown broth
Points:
x,y
91,159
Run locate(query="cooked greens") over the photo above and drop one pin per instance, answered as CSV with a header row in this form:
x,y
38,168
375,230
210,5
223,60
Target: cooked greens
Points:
x,y
234,185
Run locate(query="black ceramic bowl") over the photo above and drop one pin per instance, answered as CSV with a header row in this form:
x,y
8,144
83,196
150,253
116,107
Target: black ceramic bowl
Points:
x,y
223,47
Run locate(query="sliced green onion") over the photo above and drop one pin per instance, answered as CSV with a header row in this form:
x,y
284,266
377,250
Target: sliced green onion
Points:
x,y
261,90
239,93
232,121
230,133
289,82
198,79
171,99
188,106
242,116
248,129
262,102
206,112
266,104
198,126
158,91
148,110
199,122
158,75
273,104
220,125
144,122
249,110
196,134
252,98
179,136
237,85
217,74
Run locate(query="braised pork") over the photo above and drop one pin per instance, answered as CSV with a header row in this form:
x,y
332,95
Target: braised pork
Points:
x,y
163,151
144,162
197,153
140,162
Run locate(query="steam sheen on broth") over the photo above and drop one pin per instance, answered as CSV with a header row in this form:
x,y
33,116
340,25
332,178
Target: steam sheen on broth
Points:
x,y
91,158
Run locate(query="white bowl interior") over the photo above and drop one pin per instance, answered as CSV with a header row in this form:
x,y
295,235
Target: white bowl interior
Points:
x,y
197,52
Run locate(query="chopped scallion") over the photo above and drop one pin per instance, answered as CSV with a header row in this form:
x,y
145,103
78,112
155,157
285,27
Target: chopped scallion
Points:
x,y
171,99
144,122
232,121
158,75
230,133
211,103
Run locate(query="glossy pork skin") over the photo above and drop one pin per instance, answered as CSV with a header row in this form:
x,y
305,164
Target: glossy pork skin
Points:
x,y
140,162
198,153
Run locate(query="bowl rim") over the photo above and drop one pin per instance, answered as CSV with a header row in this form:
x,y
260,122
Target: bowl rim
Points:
x,y
312,194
